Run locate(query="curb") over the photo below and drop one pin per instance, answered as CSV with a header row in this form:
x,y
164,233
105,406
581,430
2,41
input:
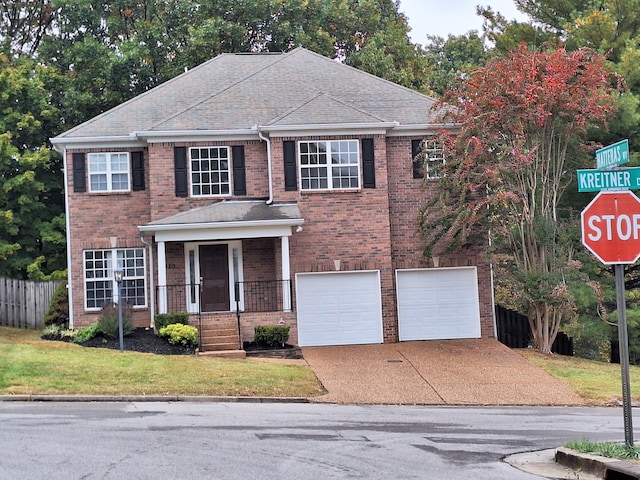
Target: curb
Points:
x,y
602,467
148,398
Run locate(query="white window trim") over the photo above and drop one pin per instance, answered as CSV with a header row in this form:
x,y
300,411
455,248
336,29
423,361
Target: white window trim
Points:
x,y
110,276
329,166
109,173
229,172
194,307
437,150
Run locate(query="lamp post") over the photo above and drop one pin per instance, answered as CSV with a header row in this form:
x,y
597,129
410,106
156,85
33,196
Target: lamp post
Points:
x,y
118,274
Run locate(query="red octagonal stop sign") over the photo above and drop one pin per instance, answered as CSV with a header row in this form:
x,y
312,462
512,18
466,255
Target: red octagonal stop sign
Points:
x,y
611,227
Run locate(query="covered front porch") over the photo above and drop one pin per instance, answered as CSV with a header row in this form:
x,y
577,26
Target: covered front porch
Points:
x,y
227,265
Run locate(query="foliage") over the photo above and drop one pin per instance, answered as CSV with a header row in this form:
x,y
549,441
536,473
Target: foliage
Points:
x,y
604,449
162,320
58,312
523,121
273,336
108,322
57,332
179,334
83,334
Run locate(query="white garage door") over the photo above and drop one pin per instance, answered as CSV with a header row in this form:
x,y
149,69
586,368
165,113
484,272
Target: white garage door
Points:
x,y
339,308
438,303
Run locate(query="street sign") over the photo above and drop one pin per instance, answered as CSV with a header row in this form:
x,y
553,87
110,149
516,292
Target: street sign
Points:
x,y
611,227
612,155
596,180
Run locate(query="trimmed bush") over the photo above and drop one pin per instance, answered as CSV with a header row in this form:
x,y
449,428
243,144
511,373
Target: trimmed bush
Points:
x,y
162,320
58,312
179,334
108,320
274,336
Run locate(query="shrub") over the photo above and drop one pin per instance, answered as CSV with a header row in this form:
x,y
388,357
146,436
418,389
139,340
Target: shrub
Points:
x,y
108,320
162,320
180,334
87,333
57,332
58,312
274,336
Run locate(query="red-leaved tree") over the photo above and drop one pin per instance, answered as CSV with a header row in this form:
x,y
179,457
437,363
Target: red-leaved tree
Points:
x,y
523,120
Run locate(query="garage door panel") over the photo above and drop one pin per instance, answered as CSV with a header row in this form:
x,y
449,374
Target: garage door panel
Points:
x,y
438,304
339,308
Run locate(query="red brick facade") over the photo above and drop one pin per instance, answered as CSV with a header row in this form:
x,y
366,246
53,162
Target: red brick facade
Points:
x,y
368,229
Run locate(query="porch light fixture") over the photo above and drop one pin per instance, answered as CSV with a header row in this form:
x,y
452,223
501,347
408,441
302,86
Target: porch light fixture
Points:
x,y
118,275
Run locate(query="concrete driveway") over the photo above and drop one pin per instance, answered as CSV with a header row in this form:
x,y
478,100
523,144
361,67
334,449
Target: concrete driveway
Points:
x,y
436,372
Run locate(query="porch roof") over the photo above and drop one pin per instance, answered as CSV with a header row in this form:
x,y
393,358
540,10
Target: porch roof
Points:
x,y
227,219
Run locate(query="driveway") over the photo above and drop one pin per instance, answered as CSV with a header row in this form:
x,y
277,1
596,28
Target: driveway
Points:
x,y
436,372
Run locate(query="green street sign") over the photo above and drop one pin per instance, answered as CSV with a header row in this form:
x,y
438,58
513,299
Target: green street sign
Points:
x,y
596,180
612,155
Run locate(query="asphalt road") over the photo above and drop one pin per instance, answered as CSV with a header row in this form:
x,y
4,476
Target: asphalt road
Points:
x,y
240,441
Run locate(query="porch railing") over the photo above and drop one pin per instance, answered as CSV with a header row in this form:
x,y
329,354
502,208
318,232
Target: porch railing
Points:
x,y
175,297
264,295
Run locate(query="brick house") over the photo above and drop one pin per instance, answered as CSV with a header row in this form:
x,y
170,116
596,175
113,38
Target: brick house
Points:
x,y
263,189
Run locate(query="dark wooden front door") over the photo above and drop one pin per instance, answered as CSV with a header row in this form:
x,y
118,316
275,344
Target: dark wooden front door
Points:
x,y
214,270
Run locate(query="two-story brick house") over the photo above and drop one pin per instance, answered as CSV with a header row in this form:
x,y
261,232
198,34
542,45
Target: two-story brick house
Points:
x,y
262,189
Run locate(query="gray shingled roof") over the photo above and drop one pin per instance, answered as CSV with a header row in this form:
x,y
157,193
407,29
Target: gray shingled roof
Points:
x,y
240,91
230,211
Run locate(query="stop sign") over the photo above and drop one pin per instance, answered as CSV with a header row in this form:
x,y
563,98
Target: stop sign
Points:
x,y
611,227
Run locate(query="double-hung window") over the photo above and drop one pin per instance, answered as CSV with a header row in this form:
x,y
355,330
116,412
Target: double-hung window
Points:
x,y
429,161
329,165
109,172
210,173
99,281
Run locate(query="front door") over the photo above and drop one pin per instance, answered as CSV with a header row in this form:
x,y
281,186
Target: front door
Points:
x,y
214,272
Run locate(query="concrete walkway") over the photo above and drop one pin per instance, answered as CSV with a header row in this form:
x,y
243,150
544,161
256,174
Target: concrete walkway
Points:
x,y
436,372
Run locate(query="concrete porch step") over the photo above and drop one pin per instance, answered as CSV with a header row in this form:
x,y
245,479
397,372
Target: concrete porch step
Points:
x,y
224,353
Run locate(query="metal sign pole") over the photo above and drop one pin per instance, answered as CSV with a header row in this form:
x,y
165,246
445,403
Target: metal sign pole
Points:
x,y
623,341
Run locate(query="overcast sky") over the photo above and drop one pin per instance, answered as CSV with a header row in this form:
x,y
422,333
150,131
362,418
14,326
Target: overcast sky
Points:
x,y
456,17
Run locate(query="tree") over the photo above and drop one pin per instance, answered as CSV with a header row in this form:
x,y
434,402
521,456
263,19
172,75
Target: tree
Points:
x,y
523,119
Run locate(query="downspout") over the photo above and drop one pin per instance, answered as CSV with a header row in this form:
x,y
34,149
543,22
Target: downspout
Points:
x,y
68,227
152,287
268,142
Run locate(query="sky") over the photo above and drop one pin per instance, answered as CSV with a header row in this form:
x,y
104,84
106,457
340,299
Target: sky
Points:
x,y
456,17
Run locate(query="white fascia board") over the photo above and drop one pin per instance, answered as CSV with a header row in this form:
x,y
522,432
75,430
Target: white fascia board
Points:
x,y
422,129
379,128
197,135
83,143
227,231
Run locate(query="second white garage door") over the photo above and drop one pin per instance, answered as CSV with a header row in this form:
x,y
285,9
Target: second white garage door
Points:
x,y
338,308
438,303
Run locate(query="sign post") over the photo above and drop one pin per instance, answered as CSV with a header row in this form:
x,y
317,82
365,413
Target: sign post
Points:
x,y
611,231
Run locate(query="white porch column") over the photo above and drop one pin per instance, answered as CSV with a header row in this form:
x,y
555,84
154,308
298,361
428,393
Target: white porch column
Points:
x,y
162,278
286,275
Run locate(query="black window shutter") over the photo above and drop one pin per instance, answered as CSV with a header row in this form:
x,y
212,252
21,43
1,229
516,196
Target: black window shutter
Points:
x,y
79,173
418,167
181,171
239,177
368,164
290,177
137,171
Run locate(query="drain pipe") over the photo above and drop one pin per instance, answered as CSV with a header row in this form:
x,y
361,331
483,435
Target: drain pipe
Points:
x,y
268,142
152,287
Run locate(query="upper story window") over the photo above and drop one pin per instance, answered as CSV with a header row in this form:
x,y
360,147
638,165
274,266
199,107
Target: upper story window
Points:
x,y
428,159
210,171
109,172
329,165
99,281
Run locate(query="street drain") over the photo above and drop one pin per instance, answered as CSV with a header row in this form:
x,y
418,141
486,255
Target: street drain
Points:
x,y
394,361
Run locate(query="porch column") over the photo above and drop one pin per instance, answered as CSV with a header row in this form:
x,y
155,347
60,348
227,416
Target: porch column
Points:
x,y
286,275
162,279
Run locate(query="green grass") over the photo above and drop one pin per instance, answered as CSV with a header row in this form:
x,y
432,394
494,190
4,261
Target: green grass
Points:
x,y
598,383
30,365
605,449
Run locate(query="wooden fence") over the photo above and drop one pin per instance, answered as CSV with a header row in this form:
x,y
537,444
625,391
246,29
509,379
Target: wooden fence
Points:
x,y
23,303
514,331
